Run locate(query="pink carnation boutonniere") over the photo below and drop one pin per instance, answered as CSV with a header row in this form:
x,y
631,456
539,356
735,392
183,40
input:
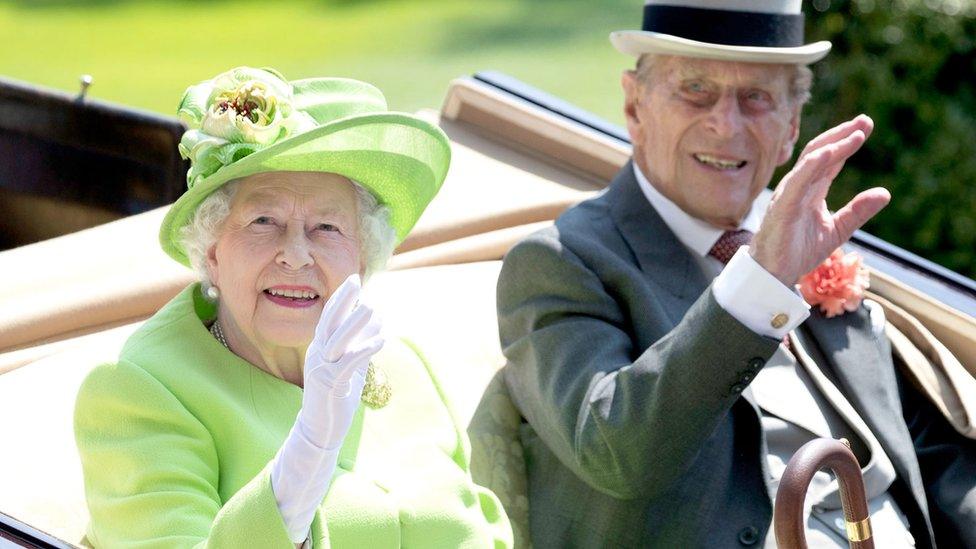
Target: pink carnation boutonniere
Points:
x,y
836,285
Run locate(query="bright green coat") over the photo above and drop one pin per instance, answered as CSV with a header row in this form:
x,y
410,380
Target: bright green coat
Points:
x,y
175,441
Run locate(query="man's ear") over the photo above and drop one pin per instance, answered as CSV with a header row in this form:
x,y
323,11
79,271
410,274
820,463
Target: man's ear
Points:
x,y
632,96
787,152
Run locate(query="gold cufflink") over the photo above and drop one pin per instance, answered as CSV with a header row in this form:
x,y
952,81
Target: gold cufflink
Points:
x,y
779,321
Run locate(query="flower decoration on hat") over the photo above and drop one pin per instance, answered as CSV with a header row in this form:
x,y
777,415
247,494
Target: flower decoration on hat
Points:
x,y
837,285
234,115
247,121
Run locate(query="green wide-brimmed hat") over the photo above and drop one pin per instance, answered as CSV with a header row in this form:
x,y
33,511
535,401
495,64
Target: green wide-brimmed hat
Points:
x,y
247,121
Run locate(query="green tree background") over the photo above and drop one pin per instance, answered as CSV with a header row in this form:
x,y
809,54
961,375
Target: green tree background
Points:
x,y
910,65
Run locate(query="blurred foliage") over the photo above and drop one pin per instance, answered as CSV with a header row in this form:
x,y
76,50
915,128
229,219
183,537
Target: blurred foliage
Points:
x,y
911,66
144,53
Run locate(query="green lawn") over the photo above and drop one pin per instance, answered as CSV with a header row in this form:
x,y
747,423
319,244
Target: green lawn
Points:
x,y
145,53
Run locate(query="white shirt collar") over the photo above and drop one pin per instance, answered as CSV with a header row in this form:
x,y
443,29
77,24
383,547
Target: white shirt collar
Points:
x,y
697,235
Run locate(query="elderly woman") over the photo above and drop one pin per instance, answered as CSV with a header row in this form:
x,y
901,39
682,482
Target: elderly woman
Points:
x,y
256,408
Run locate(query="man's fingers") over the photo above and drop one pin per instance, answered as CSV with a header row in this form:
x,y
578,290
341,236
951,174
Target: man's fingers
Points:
x,y
858,211
861,122
807,171
823,158
809,181
839,153
845,148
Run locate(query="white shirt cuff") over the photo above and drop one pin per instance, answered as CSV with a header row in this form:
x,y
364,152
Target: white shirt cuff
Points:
x,y
757,299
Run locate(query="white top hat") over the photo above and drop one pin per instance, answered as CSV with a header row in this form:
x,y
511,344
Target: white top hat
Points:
x,y
757,31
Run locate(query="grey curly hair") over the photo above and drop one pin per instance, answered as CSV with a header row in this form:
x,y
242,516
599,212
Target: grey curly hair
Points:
x,y
377,238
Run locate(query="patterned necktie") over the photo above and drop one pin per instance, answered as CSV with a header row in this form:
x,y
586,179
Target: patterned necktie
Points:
x,y
729,243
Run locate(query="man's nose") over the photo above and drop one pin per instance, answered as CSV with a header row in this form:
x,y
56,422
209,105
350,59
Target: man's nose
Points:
x,y
725,118
294,252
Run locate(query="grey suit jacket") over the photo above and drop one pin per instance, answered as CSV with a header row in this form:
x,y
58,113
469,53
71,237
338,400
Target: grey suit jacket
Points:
x,y
630,377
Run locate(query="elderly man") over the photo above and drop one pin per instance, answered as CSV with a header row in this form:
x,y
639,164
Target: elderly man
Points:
x,y
667,371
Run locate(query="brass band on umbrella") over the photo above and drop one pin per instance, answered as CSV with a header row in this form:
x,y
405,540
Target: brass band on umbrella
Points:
x,y
788,515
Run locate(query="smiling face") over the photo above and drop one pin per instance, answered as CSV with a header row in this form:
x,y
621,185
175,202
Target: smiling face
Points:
x,y
290,239
708,134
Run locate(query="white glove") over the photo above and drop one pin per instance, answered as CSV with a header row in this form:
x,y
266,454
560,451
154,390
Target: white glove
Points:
x,y
346,337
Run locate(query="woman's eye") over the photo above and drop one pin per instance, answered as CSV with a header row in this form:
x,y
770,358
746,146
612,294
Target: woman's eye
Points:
x,y
328,227
262,220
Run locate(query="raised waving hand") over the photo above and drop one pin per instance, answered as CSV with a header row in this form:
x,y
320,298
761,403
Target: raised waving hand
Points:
x,y
799,232
346,337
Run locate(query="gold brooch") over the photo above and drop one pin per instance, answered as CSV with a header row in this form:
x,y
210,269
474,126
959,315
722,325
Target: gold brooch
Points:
x,y
377,390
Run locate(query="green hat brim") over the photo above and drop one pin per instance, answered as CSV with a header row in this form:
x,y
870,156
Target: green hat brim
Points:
x,y
400,158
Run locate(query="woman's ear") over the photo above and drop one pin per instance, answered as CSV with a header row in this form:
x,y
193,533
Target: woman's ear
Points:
x,y
212,264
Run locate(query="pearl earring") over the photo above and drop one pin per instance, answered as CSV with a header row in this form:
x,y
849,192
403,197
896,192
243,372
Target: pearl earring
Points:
x,y
213,293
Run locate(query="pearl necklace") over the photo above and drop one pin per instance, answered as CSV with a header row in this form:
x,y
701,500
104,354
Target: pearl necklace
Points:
x,y
218,334
376,392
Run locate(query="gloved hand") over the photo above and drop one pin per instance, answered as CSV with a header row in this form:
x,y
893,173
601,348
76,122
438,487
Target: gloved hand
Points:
x,y
346,337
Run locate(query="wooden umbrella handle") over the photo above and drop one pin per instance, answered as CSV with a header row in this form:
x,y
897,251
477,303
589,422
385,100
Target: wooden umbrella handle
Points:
x,y
788,517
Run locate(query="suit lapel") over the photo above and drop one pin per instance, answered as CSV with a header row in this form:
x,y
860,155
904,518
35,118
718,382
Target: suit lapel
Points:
x,y
659,253
776,391
662,258
855,360
862,367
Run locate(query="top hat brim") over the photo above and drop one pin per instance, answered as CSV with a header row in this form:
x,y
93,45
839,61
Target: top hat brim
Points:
x,y
401,159
637,43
